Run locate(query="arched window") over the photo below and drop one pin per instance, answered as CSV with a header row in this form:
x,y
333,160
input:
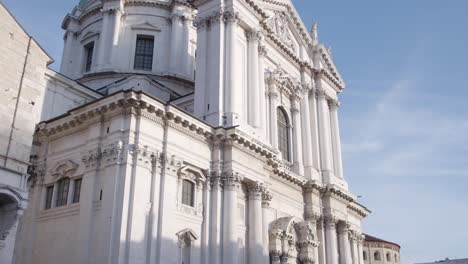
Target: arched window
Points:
x,y
283,133
376,255
364,255
188,191
396,258
389,258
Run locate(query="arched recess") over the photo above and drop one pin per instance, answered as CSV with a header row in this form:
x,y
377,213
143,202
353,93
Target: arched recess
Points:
x,y
11,208
292,241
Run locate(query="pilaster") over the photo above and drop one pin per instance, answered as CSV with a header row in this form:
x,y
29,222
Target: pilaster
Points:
x,y
254,113
233,86
335,133
324,136
297,136
266,199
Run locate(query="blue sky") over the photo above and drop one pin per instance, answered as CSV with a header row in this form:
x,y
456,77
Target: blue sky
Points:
x,y
404,122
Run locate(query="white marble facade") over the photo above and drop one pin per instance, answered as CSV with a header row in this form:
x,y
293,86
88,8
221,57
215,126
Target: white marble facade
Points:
x,y
223,148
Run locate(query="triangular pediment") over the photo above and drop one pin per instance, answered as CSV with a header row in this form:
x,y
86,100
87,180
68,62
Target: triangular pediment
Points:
x,y
280,14
285,24
327,64
146,26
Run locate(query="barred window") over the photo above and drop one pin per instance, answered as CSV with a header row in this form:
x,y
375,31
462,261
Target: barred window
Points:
x,y
48,200
144,53
188,191
89,50
283,133
77,191
62,192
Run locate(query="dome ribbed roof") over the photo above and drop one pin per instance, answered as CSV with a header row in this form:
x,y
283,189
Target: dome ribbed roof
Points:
x,y
83,3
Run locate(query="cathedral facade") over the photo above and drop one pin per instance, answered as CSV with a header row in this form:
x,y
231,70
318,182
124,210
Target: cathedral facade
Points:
x,y
212,137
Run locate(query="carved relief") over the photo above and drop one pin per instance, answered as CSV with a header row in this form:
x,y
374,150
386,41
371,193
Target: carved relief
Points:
x,y
278,23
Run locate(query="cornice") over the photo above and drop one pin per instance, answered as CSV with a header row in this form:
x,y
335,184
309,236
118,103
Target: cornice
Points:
x,y
282,169
359,209
336,192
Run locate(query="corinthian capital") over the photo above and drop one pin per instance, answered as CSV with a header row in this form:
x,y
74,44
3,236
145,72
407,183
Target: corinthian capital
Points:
x,y
255,189
320,94
334,104
231,17
232,180
266,197
253,35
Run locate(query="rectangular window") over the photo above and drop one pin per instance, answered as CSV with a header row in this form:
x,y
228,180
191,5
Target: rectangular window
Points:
x,y
77,191
144,53
48,200
89,50
62,192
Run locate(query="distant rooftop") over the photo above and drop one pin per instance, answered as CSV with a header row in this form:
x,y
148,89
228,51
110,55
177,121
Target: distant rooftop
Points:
x,y
449,261
369,238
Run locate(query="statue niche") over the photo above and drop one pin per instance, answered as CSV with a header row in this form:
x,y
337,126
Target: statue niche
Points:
x,y
292,240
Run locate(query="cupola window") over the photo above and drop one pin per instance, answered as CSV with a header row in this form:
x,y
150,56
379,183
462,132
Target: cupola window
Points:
x,y
144,53
89,50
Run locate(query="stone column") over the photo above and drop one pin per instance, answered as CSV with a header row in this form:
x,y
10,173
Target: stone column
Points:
x,y
215,220
233,89
297,137
232,183
314,130
255,250
345,248
266,199
355,250
307,136
253,91
176,45
322,256
324,134
331,240
360,249
261,88
338,165
273,118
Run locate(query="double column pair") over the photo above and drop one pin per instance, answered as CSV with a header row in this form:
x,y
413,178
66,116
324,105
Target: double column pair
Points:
x,y
337,230
258,200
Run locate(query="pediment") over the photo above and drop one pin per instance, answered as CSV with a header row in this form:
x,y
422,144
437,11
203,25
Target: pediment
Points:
x,y
89,34
327,64
279,25
63,168
284,11
146,26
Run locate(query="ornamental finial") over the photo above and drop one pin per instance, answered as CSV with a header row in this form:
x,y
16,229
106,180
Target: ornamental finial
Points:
x,y
314,33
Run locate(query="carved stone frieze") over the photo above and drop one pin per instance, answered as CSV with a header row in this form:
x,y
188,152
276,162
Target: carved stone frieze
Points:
x,y
279,26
